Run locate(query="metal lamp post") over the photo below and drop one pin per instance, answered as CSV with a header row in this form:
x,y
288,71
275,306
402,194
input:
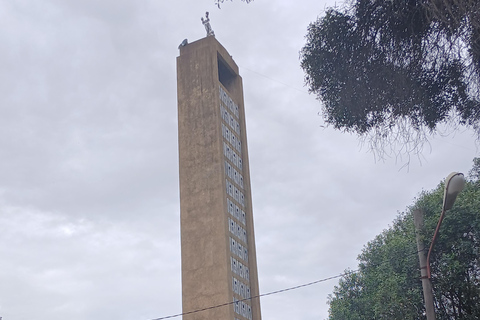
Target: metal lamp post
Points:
x,y
454,183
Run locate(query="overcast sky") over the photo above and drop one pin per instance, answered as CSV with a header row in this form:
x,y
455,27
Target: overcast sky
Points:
x,y
89,200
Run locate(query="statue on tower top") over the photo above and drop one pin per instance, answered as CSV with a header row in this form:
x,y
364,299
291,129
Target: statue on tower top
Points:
x,y
206,23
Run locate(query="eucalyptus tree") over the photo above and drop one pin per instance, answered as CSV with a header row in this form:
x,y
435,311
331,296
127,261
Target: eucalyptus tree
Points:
x,y
393,71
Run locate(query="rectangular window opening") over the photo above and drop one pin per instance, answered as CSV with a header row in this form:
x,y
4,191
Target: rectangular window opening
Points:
x,y
226,75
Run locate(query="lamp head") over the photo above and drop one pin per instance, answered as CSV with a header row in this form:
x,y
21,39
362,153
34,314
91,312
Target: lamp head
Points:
x,y
454,183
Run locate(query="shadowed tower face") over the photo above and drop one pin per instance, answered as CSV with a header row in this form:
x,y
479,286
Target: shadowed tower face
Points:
x,y
218,246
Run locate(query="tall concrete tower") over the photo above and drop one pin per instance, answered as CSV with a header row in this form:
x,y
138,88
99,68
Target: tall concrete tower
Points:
x,y
218,246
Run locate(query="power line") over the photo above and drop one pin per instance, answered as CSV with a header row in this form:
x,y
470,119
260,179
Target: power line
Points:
x,y
258,296
275,292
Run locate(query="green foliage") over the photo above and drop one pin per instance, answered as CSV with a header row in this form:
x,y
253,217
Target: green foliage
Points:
x,y
474,173
388,285
351,304
388,67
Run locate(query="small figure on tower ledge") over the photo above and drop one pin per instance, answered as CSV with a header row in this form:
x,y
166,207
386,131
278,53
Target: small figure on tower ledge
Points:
x,y
206,23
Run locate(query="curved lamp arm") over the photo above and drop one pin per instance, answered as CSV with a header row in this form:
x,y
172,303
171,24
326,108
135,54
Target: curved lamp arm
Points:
x,y
454,183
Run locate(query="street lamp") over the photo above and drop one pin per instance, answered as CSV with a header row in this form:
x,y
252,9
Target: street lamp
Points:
x,y
454,183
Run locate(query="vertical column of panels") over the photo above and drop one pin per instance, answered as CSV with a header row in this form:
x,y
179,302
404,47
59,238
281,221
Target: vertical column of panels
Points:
x,y
235,198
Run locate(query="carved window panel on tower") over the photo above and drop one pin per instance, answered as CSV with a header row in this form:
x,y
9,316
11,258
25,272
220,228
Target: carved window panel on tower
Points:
x,y
228,102
237,230
237,213
239,269
229,119
234,192
231,155
241,289
238,249
227,134
234,175
234,159
242,308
